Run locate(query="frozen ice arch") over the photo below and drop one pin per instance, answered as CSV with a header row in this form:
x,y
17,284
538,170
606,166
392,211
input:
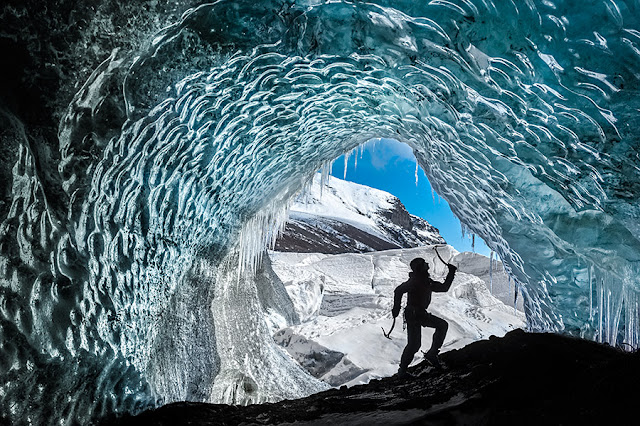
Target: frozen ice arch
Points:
x,y
177,158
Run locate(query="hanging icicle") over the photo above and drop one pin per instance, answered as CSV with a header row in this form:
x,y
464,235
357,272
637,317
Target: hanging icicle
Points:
x,y
346,164
607,322
259,234
632,318
417,174
590,292
491,272
325,175
355,160
473,242
600,309
347,157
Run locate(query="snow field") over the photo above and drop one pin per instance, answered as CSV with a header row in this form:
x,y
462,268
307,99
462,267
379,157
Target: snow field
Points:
x,y
345,300
348,202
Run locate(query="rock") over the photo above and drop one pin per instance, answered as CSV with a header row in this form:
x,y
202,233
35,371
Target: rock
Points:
x,y
522,378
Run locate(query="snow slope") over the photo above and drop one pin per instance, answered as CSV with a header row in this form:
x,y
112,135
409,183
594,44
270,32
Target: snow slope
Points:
x,y
340,217
344,300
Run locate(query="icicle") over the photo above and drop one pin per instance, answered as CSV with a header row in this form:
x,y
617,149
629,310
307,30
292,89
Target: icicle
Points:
x,y
473,242
515,295
305,194
325,175
259,234
463,230
491,272
632,316
632,325
590,292
610,299
600,308
355,165
346,163
607,321
613,309
416,174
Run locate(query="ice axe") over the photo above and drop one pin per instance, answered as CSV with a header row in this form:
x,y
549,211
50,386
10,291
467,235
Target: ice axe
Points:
x,y
440,257
388,335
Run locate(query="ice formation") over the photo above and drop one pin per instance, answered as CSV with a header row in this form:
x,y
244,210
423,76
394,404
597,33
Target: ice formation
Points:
x,y
177,160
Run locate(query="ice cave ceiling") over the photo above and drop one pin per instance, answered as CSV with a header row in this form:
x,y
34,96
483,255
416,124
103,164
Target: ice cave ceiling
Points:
x,y
173,163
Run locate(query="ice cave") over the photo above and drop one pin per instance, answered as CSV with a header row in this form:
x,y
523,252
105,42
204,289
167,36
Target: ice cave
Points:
x,y
151,157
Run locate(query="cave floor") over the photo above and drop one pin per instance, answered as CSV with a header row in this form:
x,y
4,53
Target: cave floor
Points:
x,y
522,378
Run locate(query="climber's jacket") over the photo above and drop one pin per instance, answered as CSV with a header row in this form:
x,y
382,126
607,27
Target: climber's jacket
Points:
x,y
419,287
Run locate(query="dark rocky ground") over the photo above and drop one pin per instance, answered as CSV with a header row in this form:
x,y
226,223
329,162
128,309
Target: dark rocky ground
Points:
x,y
523,378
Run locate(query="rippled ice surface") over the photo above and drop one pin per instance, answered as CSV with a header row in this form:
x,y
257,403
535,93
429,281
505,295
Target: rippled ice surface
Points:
x,y
178,163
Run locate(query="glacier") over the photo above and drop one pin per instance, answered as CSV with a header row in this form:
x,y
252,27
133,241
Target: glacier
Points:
x,y
132,240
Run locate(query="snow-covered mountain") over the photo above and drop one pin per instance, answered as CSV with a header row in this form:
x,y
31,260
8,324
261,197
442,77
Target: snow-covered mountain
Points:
x,y
345,217
343,301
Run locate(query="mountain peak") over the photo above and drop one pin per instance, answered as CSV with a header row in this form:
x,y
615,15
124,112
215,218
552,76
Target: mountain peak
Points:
x,y
338,216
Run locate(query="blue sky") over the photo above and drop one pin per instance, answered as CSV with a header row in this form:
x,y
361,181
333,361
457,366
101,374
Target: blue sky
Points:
x,y
391,166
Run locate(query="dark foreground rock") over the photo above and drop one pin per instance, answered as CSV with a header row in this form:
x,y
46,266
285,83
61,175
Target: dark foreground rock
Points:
x,y
523,378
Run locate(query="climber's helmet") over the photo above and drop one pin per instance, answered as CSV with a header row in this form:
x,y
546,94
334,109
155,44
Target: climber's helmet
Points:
x,y
419,265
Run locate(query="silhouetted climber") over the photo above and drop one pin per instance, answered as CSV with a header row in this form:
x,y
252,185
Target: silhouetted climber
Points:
x,y
419,288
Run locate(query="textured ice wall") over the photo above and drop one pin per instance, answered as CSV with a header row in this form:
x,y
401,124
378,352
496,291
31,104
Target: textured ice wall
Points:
x,y
179,160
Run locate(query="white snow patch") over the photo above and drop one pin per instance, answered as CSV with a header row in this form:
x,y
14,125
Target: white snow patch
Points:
x,y
348,202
